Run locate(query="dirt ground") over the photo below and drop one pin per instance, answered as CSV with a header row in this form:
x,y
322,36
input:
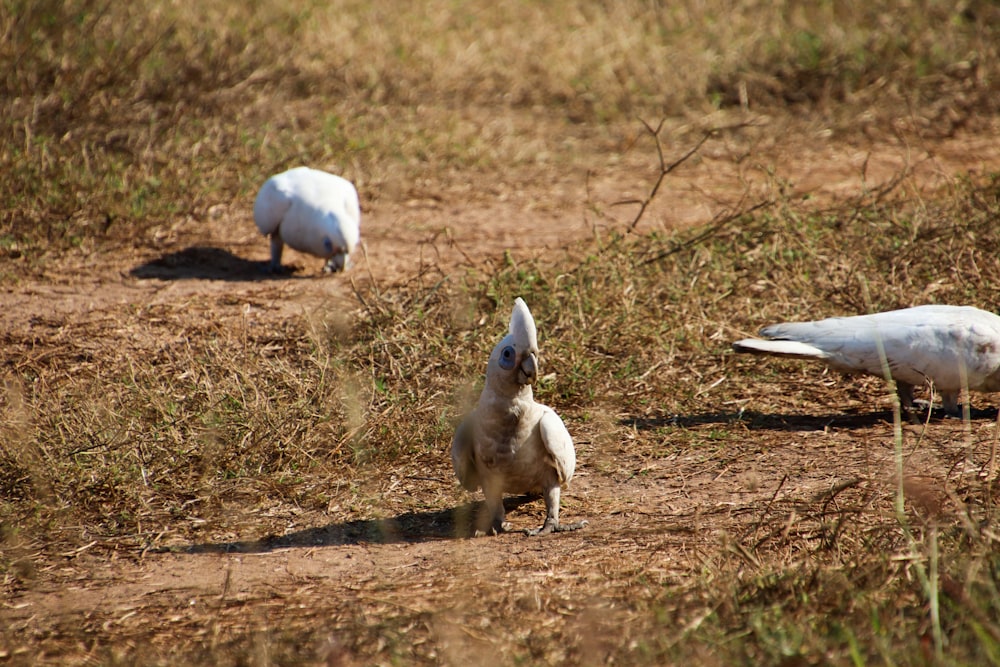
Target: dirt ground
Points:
x,y
325,576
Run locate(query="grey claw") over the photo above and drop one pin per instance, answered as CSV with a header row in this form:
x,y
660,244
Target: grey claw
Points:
x,y
551,527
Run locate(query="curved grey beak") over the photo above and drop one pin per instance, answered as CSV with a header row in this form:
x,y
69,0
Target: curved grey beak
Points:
x,y
528,371
337,263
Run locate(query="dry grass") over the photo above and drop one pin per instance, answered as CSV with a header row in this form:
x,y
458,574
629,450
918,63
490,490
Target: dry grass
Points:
x,y
746,511
118,120
220,436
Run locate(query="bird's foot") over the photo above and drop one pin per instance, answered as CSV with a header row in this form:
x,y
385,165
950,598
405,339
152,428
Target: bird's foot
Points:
x,y
497,528
272,269
916,411
337,264
555,527
922,408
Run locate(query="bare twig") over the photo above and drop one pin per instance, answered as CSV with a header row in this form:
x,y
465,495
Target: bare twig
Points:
x,y
770,502
666,169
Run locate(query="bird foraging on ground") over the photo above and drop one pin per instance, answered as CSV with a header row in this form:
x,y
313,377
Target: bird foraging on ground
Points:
x,y
509,443
311,211
952,347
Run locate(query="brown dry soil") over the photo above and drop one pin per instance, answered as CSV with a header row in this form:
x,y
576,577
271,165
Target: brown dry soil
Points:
x,y
335,577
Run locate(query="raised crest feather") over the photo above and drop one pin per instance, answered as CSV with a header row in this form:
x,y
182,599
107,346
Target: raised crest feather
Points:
x,y
522,326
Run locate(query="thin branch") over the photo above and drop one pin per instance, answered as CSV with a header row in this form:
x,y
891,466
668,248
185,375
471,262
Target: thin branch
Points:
x,y
770,502
666,169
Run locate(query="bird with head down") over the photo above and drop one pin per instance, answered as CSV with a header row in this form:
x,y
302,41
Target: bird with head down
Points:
x,y
510,443
952,348
311,211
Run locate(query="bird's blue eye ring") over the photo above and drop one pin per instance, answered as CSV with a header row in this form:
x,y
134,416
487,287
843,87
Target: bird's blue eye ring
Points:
x,y
507,356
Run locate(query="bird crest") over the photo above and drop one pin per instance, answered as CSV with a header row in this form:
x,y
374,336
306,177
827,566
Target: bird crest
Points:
x,y
522,327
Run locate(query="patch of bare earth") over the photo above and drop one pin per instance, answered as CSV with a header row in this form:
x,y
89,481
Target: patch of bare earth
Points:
x,y
659,511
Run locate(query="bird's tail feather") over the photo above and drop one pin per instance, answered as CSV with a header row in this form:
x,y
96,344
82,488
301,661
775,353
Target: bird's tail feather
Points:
x,y
778,348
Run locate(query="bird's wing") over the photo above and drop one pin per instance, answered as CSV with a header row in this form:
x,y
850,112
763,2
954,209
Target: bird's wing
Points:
x,y
848,343
955,346
834,333
559,444
916,343
271,205
463,456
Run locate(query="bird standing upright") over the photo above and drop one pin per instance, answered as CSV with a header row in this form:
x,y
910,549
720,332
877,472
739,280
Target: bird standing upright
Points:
x,y
509,443
953,347
311,211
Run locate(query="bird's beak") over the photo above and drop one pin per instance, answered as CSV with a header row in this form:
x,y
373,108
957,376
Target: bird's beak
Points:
x,y
528,371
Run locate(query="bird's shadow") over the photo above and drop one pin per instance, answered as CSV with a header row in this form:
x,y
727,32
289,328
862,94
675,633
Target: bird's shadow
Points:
x,y
209,263
760,421
410,527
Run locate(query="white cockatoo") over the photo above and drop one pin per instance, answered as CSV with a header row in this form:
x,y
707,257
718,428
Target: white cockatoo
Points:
x,y
509,443
312,211
953,347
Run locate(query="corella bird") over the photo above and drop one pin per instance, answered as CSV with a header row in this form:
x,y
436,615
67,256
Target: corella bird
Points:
x,y
509,443
311,211
953,347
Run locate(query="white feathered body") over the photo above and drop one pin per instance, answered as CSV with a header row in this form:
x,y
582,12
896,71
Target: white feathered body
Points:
x,y
509,443
953,346
311,211
519,446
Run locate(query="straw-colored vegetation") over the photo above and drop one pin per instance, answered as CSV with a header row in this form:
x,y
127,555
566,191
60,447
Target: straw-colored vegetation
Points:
x,y
742,511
